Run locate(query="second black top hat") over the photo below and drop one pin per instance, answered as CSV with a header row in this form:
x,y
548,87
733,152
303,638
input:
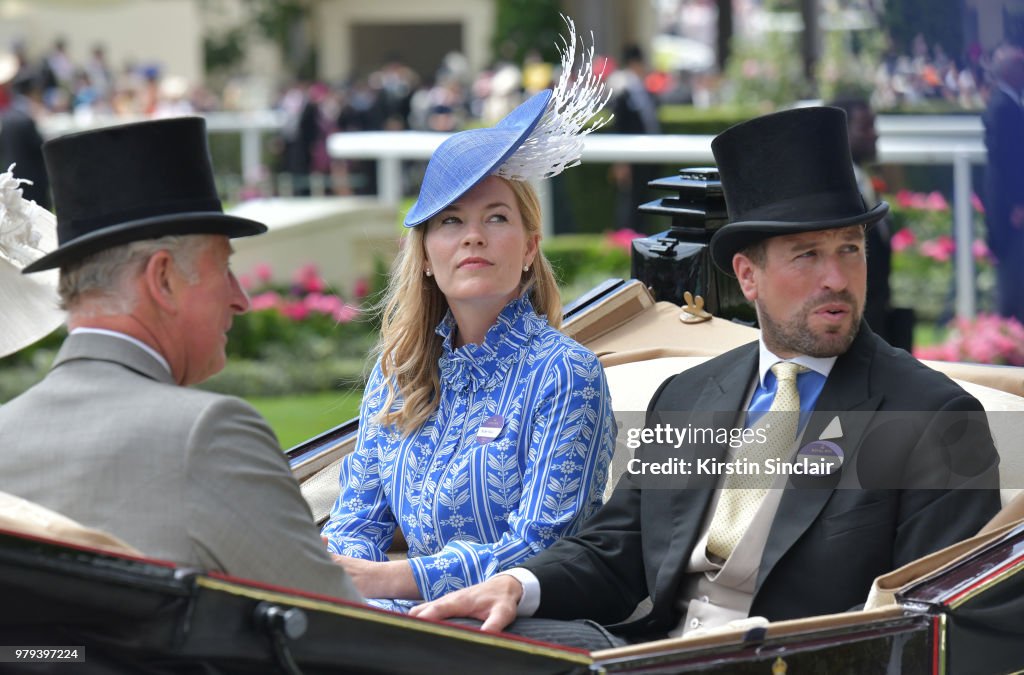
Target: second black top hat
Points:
x,y
785,173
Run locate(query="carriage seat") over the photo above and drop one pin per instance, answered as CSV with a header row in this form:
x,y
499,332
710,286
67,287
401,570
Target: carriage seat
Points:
x,y
24,517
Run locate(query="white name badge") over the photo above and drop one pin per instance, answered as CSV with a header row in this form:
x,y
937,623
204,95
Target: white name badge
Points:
x,y
490,429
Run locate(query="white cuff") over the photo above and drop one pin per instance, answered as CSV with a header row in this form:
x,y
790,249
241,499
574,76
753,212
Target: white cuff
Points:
x,y
530,600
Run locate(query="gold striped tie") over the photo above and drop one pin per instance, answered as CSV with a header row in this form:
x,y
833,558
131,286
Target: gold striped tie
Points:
x,y
742,494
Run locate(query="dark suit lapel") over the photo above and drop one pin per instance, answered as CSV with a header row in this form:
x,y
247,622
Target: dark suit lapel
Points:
x,y
844,401
717,405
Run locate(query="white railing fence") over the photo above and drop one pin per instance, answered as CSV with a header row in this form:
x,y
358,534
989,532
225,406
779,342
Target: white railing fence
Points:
x,y
949,140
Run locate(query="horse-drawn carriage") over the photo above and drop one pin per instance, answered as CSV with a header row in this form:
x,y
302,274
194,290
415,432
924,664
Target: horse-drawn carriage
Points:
x,y
960,610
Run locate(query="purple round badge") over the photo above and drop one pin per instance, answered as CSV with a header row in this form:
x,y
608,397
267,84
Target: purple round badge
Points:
x,y
819,458
490,429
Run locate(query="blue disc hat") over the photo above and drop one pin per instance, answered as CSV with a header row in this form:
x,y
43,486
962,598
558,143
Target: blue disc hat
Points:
x,y
538,139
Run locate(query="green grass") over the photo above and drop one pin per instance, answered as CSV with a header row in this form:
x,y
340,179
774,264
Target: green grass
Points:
x,y
297,418
926,334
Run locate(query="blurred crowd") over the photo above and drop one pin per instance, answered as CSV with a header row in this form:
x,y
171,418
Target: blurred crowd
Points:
x,y
55,83
928,73
397,96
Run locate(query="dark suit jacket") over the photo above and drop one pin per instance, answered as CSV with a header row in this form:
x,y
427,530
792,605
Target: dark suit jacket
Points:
x,y
21,144
826,545
1004,176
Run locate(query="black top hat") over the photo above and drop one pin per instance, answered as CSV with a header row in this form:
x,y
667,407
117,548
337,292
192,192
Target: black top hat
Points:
x,y
785,173
130,182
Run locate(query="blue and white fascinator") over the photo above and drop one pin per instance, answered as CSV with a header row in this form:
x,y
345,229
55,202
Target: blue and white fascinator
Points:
x,y
539,139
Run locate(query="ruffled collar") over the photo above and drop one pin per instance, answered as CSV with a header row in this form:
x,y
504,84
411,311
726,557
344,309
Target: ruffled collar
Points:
x,y
483,366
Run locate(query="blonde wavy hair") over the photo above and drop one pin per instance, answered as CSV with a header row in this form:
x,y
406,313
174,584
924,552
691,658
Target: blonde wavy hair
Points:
x,y
413,305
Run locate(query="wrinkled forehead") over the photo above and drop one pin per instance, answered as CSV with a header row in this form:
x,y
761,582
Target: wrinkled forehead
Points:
x,y
833,235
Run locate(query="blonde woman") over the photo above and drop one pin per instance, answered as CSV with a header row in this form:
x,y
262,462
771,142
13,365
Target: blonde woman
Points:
x,y
486,433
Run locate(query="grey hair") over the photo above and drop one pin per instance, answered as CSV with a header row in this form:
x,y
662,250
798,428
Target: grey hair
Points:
x,y
102,279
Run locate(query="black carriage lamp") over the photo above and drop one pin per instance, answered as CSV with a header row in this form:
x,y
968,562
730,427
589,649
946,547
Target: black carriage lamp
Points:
x,y
677,263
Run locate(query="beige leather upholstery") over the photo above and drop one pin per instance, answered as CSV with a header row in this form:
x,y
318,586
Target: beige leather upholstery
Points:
x,y
25,517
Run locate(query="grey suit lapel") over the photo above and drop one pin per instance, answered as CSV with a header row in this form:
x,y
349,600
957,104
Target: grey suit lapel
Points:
x,y
846,396
96,347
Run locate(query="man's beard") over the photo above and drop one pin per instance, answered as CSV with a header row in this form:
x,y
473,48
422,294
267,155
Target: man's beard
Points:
x,y
795,335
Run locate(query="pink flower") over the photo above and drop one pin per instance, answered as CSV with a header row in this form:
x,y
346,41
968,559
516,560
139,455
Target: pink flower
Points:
x,y
936,202
910,200
263,272
903,239
985,339
980,351
939,249
623,238
269,300
345,313
930,353
309,280
361,288
980,251
296,311
976,203
321,303
245,281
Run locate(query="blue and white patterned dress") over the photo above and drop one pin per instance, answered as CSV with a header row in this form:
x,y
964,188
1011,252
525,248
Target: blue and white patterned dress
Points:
x,y
470,509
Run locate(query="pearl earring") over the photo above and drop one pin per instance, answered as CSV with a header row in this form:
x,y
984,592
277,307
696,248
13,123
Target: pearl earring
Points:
x,y
428,272
526,268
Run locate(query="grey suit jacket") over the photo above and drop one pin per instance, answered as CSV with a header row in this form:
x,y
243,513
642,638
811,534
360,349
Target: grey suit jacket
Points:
x,y
196,478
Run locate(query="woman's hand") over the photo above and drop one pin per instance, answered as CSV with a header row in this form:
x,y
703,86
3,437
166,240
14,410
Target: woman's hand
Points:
x,y
391,579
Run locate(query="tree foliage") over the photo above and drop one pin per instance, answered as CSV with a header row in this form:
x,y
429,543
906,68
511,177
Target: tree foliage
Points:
x,y
939,22
525,26
225,50
285,23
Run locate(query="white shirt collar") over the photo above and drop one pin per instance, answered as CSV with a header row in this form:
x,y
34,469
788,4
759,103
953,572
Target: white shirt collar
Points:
x,y
128,338
766,359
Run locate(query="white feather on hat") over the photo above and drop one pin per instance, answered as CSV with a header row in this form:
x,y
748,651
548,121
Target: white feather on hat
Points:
x,y
28,303
556,143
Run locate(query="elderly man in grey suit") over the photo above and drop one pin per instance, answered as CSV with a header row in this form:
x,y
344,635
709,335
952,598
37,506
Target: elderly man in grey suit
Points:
x,y
113,437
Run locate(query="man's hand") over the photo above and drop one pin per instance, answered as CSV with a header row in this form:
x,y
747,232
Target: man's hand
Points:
x,y
494,602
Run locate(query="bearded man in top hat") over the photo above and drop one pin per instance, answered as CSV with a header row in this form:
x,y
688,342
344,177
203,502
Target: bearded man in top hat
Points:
x,y
910,465
113,437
